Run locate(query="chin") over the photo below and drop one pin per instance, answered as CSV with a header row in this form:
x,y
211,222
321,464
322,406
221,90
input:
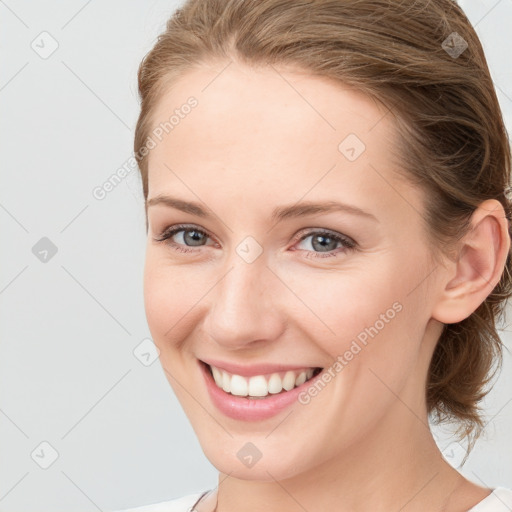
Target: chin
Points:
x,y
228,458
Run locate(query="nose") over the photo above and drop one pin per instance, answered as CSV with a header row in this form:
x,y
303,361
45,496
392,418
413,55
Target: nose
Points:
x,y
245,308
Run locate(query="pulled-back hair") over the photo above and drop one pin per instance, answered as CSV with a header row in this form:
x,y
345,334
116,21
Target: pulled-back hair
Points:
x,y
453,142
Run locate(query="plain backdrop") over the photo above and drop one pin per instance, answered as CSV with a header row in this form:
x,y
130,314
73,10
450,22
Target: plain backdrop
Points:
x,y
74,396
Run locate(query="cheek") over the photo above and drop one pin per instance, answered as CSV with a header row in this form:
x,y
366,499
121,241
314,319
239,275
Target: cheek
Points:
x,y
364,318
342,305
169,297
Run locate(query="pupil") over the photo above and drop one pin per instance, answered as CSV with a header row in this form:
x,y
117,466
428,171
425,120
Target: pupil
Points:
x,y
196,238
323,248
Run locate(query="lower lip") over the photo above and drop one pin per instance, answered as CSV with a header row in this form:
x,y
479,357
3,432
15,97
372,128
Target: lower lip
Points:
x,y
249,409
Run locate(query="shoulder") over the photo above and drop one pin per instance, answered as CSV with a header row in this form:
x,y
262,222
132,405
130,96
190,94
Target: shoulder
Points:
x,y
183,504
499,501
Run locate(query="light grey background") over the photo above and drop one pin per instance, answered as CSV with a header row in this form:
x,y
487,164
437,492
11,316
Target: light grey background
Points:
x,y
69,326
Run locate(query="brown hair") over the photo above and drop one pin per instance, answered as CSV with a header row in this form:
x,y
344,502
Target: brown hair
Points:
x,y
453,142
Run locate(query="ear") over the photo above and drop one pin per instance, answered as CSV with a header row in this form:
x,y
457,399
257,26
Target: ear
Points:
x,y
478,267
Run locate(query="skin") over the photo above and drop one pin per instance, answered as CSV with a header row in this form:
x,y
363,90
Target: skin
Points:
x,y
262,138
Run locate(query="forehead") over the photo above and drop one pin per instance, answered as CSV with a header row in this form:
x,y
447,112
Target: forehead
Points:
x,y
275,101
268,130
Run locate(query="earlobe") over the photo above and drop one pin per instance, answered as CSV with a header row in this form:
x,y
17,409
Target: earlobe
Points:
x,y
479,265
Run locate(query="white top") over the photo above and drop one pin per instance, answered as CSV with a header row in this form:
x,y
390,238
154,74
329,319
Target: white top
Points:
x,y
499,501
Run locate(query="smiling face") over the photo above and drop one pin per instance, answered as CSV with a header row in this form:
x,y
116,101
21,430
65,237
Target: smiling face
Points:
x,y
251,279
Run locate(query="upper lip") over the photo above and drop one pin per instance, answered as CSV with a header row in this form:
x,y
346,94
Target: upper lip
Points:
x,y
253,369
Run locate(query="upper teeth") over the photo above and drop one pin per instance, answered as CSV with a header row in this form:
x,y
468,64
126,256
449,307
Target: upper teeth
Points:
x,y
258,385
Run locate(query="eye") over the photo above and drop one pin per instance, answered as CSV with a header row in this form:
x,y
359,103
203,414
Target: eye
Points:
x,y
324,242
188,234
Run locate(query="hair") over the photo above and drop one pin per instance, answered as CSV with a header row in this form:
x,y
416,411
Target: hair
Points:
x,y
453,143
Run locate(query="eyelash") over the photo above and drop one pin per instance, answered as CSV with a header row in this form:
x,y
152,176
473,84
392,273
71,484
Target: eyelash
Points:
x,y
168,233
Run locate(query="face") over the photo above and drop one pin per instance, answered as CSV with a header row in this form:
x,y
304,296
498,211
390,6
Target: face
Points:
x,y
255,280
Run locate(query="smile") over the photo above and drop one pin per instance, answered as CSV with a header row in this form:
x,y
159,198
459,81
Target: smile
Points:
x,y
260,386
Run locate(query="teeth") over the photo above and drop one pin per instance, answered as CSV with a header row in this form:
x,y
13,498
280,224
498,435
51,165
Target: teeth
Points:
x,y
239,386
289,381
275,384
301,378
226,382
258,386
217,375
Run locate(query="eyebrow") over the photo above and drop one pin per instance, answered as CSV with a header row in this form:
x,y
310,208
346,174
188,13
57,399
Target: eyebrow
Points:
x,y
278,214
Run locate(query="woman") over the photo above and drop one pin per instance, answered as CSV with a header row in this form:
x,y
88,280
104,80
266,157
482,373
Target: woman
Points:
x,y
328,247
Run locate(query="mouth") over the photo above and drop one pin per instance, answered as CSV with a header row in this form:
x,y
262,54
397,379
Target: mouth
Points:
x,y
260,386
